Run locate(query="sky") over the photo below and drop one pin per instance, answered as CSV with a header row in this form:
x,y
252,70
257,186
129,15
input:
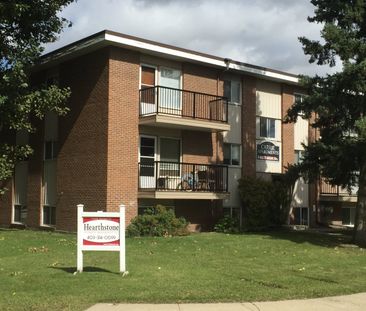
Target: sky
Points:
x,y
259,32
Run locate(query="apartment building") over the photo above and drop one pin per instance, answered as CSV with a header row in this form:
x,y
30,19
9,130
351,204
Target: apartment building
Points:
x,y
151,123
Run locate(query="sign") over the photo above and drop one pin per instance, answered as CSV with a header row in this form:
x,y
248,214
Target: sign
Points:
x,y
268,151
101,231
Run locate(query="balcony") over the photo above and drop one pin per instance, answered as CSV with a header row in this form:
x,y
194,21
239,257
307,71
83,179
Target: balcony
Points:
x,y
337,193
172,180
175,108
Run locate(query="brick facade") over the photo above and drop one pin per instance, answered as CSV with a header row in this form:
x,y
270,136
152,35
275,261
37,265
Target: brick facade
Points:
x,y
123,132
99,137
288,154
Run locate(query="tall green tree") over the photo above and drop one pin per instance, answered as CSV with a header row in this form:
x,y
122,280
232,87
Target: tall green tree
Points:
x,y
337,101
25,26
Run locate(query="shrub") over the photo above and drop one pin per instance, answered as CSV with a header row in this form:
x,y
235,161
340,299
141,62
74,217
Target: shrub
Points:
x,y
266,204
157,221
227,224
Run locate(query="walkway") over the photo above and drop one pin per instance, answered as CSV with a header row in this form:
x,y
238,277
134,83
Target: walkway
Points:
x,y
356,302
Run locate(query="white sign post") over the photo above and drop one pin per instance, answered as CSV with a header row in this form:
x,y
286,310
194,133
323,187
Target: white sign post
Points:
x,y
101,231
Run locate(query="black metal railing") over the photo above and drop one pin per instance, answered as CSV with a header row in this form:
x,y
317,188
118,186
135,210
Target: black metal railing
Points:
x,y
175,176
188,104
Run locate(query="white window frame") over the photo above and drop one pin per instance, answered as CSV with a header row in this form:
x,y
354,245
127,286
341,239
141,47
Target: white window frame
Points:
x,y
267,128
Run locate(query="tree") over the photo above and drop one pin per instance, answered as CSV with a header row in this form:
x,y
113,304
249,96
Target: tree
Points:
x,y
25,26
337,101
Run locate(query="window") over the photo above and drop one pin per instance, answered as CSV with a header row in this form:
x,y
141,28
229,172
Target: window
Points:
x,y
147,156
50,150
301,216
348,216
232,91
20,182
49,215
299,98
299,156
267,127
20,213
50,169
232,154
147,77
169,157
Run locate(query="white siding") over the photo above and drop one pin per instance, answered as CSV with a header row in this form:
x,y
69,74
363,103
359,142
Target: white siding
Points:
x,y
268,105
268,99
234,135
301,194
301,133
234,172
234,199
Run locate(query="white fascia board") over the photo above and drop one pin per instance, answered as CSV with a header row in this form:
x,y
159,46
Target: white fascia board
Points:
x,y
74,49
265,73
198,58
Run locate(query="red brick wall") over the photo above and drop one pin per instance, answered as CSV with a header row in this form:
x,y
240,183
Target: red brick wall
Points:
x,y
200,79
6,200
288,154
202,147
249,126
6,204
82,160
123,132
202,212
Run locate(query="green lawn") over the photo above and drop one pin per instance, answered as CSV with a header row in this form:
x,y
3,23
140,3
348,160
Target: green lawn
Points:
x,y
36,269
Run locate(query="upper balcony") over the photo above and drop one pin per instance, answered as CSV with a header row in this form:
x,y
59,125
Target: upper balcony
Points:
x,y
176,180
337,193
176,108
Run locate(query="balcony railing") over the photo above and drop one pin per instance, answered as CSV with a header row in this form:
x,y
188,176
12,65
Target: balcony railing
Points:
x,y
173,176
175,102
329,190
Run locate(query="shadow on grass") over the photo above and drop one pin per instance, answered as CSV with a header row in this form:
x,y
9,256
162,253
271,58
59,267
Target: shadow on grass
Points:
x,y
11,229
319,238
85,269
320,279
264,283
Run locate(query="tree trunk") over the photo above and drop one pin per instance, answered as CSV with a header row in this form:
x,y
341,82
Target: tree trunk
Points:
x,y
359,232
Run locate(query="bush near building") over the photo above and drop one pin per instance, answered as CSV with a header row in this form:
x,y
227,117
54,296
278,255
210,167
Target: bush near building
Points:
x,y
265,204
157,221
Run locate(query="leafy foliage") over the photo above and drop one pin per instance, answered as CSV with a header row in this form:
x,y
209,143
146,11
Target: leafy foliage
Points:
x,y
266,204
336,102
25,25
157,221
227,224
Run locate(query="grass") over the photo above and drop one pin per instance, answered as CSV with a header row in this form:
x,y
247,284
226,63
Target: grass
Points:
x,y
36,269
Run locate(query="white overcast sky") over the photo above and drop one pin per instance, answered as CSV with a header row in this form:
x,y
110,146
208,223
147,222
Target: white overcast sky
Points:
x,y
259,32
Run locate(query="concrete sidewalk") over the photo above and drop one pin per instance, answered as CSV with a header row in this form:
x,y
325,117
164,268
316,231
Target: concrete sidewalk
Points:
x,y
356,302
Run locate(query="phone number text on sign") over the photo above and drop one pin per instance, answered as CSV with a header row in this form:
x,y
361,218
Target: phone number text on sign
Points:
x,y
101,231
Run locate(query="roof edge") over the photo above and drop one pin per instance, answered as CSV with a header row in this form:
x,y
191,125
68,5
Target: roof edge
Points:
x,y
113,37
